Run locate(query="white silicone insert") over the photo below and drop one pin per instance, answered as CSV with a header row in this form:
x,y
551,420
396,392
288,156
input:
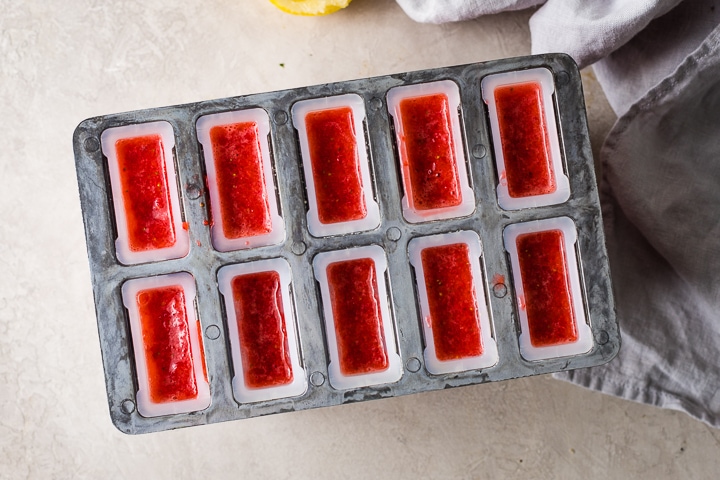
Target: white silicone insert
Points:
x,y
242,392
145,405
584,342
220,238
182,238
394,370
544,77
450,89
357,105
489,355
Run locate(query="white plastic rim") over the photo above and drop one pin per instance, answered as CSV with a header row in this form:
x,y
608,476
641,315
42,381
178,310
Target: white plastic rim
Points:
x,y
569,232
357,105
146,407
220,240
338,380
108,139
242,392
451,91
489,356
544,77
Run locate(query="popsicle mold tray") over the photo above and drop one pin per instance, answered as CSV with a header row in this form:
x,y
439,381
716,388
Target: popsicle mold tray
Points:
x,y
344,242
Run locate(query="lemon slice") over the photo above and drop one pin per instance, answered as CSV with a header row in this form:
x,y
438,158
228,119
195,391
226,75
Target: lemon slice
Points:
x,y
310,7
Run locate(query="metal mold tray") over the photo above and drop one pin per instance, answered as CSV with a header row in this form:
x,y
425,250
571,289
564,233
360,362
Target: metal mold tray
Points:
x,y
299,247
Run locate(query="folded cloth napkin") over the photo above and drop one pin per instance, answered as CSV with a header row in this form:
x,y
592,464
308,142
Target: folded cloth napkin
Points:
x,y
658,62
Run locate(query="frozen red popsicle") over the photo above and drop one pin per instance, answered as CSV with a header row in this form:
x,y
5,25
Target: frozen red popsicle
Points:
x,y
359,328
261,321
548,297
454,314
242,192
548,288
335,165
357,316
429,152
167,342
240,180
166,338
524,137
261,329
144,183
145,197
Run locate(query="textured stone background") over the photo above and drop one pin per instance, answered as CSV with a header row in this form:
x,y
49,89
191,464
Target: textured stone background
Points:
x,y
61,62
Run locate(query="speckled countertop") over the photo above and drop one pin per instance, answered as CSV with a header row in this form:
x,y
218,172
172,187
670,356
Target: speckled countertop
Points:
x,y
63,62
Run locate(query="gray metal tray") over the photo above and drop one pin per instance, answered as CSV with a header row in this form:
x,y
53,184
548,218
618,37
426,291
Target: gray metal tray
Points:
x,y
300,247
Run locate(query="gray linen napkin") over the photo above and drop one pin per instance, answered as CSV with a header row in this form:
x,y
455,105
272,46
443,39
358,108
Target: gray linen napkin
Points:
x,y
659,64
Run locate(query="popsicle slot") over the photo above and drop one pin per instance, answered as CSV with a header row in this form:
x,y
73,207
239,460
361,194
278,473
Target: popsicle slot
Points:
x,y
548,289
359,330
335,160
262,330
430,146
168,352
525,139
243,192
454,313
144,190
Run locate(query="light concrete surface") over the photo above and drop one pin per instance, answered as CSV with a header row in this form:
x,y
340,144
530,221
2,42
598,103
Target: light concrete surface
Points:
x,y
61,62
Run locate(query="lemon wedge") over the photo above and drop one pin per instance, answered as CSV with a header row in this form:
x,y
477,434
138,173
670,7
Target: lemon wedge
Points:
x,y
310,7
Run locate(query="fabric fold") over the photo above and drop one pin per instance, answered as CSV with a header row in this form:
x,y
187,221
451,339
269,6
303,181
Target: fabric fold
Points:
x,y
442,11
660,195
591,30
658,62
